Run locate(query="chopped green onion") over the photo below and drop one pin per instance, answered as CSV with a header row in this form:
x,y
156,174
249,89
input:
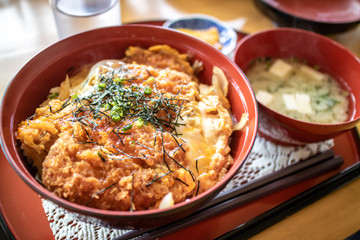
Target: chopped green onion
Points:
x,y
101,86
115,116
75,96
53,95
116,108
139,122
147,91
150,79
127,127
116,113
107,106
118,80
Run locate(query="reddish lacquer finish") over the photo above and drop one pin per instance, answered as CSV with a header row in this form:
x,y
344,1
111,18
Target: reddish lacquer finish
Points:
x,y
339,11
321,16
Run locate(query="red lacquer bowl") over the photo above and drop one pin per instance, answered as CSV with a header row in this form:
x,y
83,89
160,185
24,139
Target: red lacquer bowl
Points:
x,y
318,50
30,86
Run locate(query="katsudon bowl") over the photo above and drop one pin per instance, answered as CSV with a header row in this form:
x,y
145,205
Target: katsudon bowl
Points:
x,y
31,85
316,52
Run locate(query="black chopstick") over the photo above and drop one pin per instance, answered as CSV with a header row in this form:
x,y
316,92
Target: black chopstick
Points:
x,y
313,160
5,233
256,189
293,205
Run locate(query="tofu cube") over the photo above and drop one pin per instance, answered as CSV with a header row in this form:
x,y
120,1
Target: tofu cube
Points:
x,y
312,74
281,69
290,102
303,103
264,97
298,102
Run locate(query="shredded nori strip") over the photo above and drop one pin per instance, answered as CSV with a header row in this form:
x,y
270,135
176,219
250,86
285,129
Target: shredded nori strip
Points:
x,y
118,135
43,134
198,188
156,178
89,142
101,157
178,179
124,153
99,192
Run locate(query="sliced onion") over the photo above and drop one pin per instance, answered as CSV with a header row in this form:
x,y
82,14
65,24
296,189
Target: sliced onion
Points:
x,y
167,201
242,123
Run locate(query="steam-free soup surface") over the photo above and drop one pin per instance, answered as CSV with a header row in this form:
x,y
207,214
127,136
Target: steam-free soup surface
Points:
x,y
298,90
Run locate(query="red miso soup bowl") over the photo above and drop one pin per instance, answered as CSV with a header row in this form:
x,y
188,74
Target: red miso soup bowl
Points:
x,y
31,85
315,49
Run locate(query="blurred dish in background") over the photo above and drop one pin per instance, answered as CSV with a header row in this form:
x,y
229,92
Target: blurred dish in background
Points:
x,y
321,16
208,29
72,17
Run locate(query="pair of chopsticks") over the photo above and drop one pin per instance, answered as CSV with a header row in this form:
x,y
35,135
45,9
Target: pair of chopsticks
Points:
x,y
275,215
296,173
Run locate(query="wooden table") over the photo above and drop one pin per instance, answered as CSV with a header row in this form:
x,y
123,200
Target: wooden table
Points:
x,y
28,26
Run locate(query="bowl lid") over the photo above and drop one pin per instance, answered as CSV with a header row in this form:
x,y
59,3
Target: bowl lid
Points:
x,y
339,11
